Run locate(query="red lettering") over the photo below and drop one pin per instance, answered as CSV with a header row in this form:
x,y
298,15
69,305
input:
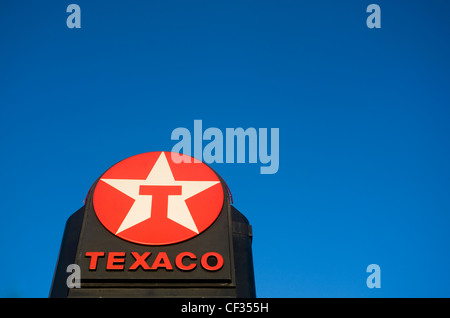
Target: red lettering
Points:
x,y
184,261
204,261
94,259
140,261
112,261
162,261
179,261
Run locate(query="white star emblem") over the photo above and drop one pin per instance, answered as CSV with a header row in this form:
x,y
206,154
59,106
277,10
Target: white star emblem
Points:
x,y
161,186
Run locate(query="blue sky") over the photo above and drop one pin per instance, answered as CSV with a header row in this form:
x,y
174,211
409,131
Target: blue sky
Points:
x,y
363,117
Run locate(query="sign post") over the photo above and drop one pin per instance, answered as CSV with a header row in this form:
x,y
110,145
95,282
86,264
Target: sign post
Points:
x,y
153,227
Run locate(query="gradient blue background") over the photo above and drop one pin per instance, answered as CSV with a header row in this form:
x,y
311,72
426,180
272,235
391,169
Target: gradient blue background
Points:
x,y
363,117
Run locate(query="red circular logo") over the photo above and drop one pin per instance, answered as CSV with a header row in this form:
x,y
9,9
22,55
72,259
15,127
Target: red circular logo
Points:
x,y
149,199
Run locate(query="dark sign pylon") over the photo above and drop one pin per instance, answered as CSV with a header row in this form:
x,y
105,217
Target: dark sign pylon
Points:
x,y
153,227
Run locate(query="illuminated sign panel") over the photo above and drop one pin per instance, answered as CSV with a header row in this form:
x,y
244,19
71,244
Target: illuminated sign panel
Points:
x,y
152,227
